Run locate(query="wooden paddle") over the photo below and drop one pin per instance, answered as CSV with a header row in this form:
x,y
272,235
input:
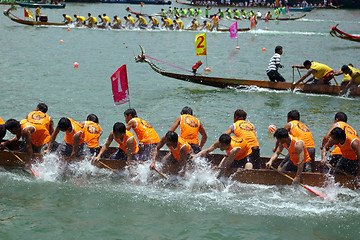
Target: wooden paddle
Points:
x,y
33,172
307,188
340,171
160,173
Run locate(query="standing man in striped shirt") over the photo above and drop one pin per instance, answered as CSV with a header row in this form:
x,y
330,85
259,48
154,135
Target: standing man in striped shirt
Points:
x,y
274,65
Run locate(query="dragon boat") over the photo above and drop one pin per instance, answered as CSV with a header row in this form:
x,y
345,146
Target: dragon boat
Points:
x,y
40,4
335,32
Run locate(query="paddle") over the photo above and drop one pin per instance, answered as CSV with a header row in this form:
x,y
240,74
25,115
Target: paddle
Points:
x,y
33,172
310,190
161,174
340,171
297,83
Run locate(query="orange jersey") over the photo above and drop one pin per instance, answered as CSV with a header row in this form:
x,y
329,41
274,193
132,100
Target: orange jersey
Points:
x,y
348,130
145,132
69,136
292,152
190,128
246,130
346,150
122,144
39,118
301,131
92,132
41,135
176,151
1,121
239,142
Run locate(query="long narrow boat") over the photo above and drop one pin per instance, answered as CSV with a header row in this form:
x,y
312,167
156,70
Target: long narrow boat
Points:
x,y
43,5
28,22
301,9
147,2
335,32
252,176
221,82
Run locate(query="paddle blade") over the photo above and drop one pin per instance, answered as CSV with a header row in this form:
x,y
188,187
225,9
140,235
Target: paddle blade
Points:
x,y
35,173
310,190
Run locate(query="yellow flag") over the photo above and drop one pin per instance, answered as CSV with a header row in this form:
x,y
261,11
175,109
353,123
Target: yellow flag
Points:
x,y
29,14
200,44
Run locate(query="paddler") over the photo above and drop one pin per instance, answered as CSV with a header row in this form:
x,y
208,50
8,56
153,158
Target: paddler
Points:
x,y
184,12
341,122
195,25
75,145
170,11
268,16
198,12
180,150
106,20
274,64
37,13
35,136
67,19
117,23
146,134
142,22
206,26
237,14
251,13
242,128
322,74
40,117
191,12
190,128
228,14
353,73
2,129
92,131
215,19
299,156
167,23
80,19
155,22
92,21
244,14
177,12
237,149
221,13
130,21
350,150
163,13
179,24
127,150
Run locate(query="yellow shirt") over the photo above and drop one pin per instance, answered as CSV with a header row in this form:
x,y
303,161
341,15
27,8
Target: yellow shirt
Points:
x,y
118,21
142,20
321,69
155,21
180,24
354,70
106,19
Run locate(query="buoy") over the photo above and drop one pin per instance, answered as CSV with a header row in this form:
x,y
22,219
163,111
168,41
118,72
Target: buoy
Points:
x,y
207,69
287,22
237,47
68,29
76,64
61,41
78,12
266,28
272,128
264,49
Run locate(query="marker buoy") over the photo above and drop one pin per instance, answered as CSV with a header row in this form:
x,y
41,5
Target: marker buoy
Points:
x,y
266,28
61,41
237,47
76,64
264,49
272,128
68,29
287,22
207,69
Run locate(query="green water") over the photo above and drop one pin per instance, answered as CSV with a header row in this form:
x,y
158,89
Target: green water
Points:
x,y
95,204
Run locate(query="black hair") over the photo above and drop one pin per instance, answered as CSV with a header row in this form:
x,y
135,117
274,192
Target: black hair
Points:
x,y
64,124
338,133
187,110
278,49
307,62
341,116
42,107
225,139
281,133
119,128
131,112
172,136
345,68
240,114
294,115
92,117
11,124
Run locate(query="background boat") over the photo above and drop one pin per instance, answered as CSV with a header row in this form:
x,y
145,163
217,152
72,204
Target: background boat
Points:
x,y
43,5
301,9
150,2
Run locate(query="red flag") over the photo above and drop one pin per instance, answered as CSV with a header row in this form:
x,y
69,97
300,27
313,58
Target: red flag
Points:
x,y
253,21
120,86
26,13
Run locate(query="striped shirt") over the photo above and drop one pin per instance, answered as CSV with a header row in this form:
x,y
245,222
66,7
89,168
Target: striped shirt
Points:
x,y
274,63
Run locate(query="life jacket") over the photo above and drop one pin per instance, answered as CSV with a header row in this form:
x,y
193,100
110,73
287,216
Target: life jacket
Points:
x,y
346,150
348,130
145,132
246,130
122,144
1,121
41,135
39,118
237,142
176,151
293,154
92,133
190,128
69,136
301,131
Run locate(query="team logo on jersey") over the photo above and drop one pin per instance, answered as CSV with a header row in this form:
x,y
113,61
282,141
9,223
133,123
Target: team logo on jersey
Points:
x,y
246,126
36,118
349,130
191,122
237,140
146,124
303,128
93,128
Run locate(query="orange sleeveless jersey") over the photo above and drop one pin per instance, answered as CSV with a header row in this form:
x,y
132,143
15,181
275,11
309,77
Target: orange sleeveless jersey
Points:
x,y
190,128
346,150
69,136
39,118
1,121
348,130
176,151
122,144
41,135
92,133
301,131
145,132
293,154
247,131
239,142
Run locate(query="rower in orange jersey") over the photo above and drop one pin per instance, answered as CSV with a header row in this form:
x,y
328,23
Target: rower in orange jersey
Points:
x,y
40,116
180,150
350,150
146,134
75,145
127,149
246,130
190,128
237,149
341,122
299,156
2,129
300,131
36,136
92,131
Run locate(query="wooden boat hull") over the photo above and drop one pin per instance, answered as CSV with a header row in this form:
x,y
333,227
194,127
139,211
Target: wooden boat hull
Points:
x,y
220,82
149,2
31,23
335,32
253,176
43,5
301,9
